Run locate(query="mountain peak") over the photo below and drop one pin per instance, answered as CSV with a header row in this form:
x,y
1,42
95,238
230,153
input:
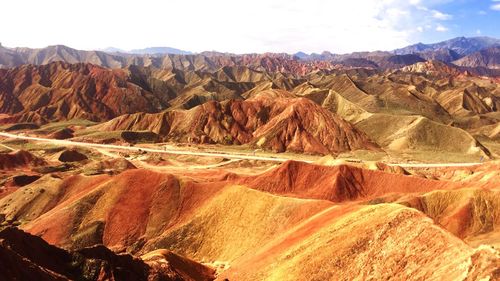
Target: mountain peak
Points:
x,y
159,50
461,45
301,55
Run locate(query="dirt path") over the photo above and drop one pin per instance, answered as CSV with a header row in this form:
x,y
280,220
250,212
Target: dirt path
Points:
x,y
137,149
8,147
234,156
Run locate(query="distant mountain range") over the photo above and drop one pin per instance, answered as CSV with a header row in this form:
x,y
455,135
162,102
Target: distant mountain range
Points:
x,y
149,51
462,46
483,52
447,51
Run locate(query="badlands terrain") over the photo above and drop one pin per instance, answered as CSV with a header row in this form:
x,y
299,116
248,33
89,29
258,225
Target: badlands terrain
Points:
x,y
211,166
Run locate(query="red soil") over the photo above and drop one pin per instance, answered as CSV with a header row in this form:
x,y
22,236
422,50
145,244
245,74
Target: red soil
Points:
x,y
141,204
265,255
124,227
57,225
338,183
132,204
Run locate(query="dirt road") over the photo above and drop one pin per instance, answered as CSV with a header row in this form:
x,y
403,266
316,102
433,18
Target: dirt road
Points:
x,y
222,154
137,149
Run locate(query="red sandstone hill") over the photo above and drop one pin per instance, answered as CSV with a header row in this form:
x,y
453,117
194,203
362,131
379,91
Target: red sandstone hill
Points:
x,y
59,91
387,106
338,183
139,206
447,94
380,242
279,124
266,232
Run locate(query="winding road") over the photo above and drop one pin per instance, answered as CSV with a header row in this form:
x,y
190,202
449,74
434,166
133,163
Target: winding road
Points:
x,y
138,149
234,156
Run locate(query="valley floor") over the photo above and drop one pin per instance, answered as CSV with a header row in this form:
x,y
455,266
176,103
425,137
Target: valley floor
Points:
x,y
221,151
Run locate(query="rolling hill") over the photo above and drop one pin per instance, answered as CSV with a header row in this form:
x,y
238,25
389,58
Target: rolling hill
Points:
x,y
282,223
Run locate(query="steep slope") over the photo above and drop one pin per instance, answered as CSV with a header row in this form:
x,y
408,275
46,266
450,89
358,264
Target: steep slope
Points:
x,y
280,224
358,62
489,58
60,91
9,58
443,55
437,68
147,98
461,45
468,100
470,214
168,58
375,242
81,211
338,183
279,124
381,93
163,207
217,230
304,126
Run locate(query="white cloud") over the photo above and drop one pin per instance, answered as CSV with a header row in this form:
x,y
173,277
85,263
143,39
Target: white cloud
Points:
x,y
441,28
223,25
441,16
495,7
478,32
482,13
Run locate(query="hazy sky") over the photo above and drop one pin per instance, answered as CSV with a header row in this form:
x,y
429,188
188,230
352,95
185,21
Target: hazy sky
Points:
x,y
244,26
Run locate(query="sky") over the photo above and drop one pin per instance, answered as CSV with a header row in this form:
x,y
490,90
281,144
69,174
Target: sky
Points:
x,y
244,26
